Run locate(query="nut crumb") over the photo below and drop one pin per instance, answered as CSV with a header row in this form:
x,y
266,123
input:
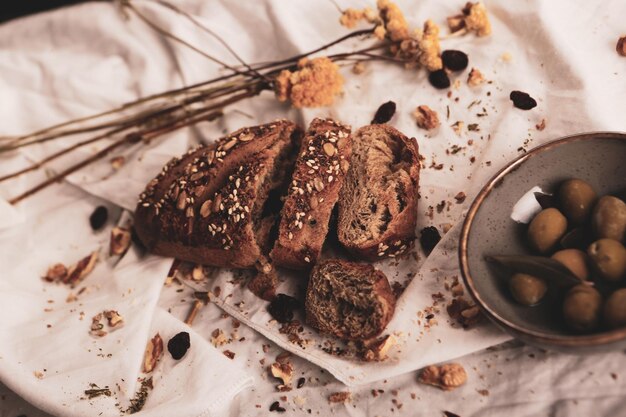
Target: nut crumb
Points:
x,y
460,197
541,125
426,118
475,78
447,377
229,354
218,338
340,397
38,374
458,128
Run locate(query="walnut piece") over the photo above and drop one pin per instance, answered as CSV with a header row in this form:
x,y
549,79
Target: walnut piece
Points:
x,y
447,377
56,272
426,118
340,397
114,318
218,338
282,371
120,241
154,352
377,351
475,78
79,271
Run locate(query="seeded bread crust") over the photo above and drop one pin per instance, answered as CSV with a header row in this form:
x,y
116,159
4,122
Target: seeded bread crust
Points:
x,y
321,166
206,206
378,202
348,300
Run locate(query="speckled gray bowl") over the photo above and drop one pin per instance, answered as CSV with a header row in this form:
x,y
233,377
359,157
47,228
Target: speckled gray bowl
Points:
x,y
600,159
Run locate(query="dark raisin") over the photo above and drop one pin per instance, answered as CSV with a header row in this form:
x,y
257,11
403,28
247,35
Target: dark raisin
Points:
x,y
384,113
429,238
451,414
439,79
454,60
282,306
178,345
301,382
276,407
522,100
99,217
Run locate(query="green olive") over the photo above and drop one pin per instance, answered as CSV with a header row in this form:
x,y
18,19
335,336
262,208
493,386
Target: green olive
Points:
x,y
527,289
581,308
546,229
608,219
576,198
615,309
575,260
608,257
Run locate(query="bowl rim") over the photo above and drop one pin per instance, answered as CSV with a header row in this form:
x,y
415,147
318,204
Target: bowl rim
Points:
x,y
541,337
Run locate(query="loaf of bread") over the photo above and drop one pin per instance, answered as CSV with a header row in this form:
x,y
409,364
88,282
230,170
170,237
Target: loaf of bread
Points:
x,y
348,300
209,206
378,201
321,166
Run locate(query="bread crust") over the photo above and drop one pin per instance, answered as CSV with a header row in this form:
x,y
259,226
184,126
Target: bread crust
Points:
x,y
381,293
321,166
400,232
201,207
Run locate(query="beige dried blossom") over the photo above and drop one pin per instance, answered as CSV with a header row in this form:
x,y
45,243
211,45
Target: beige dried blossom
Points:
x,y
393,20
316,83
447,377
426,118
421,48
475,78
476,19
350,17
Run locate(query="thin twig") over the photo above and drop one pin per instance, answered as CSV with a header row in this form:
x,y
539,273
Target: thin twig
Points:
x,y
145,137
197,305
215,35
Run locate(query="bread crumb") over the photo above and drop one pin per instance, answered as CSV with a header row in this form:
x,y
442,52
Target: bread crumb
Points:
x,y
340,397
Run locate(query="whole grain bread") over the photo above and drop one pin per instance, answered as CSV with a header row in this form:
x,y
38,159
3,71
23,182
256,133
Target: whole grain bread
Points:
x,y
378,201
208,207
321,166
348,300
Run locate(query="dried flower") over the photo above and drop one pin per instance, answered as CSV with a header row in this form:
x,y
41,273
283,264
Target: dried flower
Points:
x,y
316,83
350,17
421,48
393,20
476,19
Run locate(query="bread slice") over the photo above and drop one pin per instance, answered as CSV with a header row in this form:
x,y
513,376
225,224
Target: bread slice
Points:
x,y
348,300
321,166
208,207
378,202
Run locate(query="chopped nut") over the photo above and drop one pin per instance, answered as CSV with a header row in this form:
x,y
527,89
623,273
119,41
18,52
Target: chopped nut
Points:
x,y
329,149
377,351
205,208
114,319
458,127
120,241
81,269
447,377
57,272
318,184
426,118
282,371
217,203
181,202
340,397
621,46
230,144
153,353
475,77
218,338
345,165
117,162
541,125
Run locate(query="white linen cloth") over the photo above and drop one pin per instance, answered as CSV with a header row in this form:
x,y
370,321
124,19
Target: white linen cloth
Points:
x,y
80,60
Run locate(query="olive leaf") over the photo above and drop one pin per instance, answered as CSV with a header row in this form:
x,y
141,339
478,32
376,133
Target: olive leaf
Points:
x,y
545,268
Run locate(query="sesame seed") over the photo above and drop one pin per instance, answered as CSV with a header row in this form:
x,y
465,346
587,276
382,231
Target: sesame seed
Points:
x,y
307,259
290,235
381,253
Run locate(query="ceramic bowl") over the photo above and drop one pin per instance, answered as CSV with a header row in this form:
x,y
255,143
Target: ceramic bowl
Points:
x,y
598,158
